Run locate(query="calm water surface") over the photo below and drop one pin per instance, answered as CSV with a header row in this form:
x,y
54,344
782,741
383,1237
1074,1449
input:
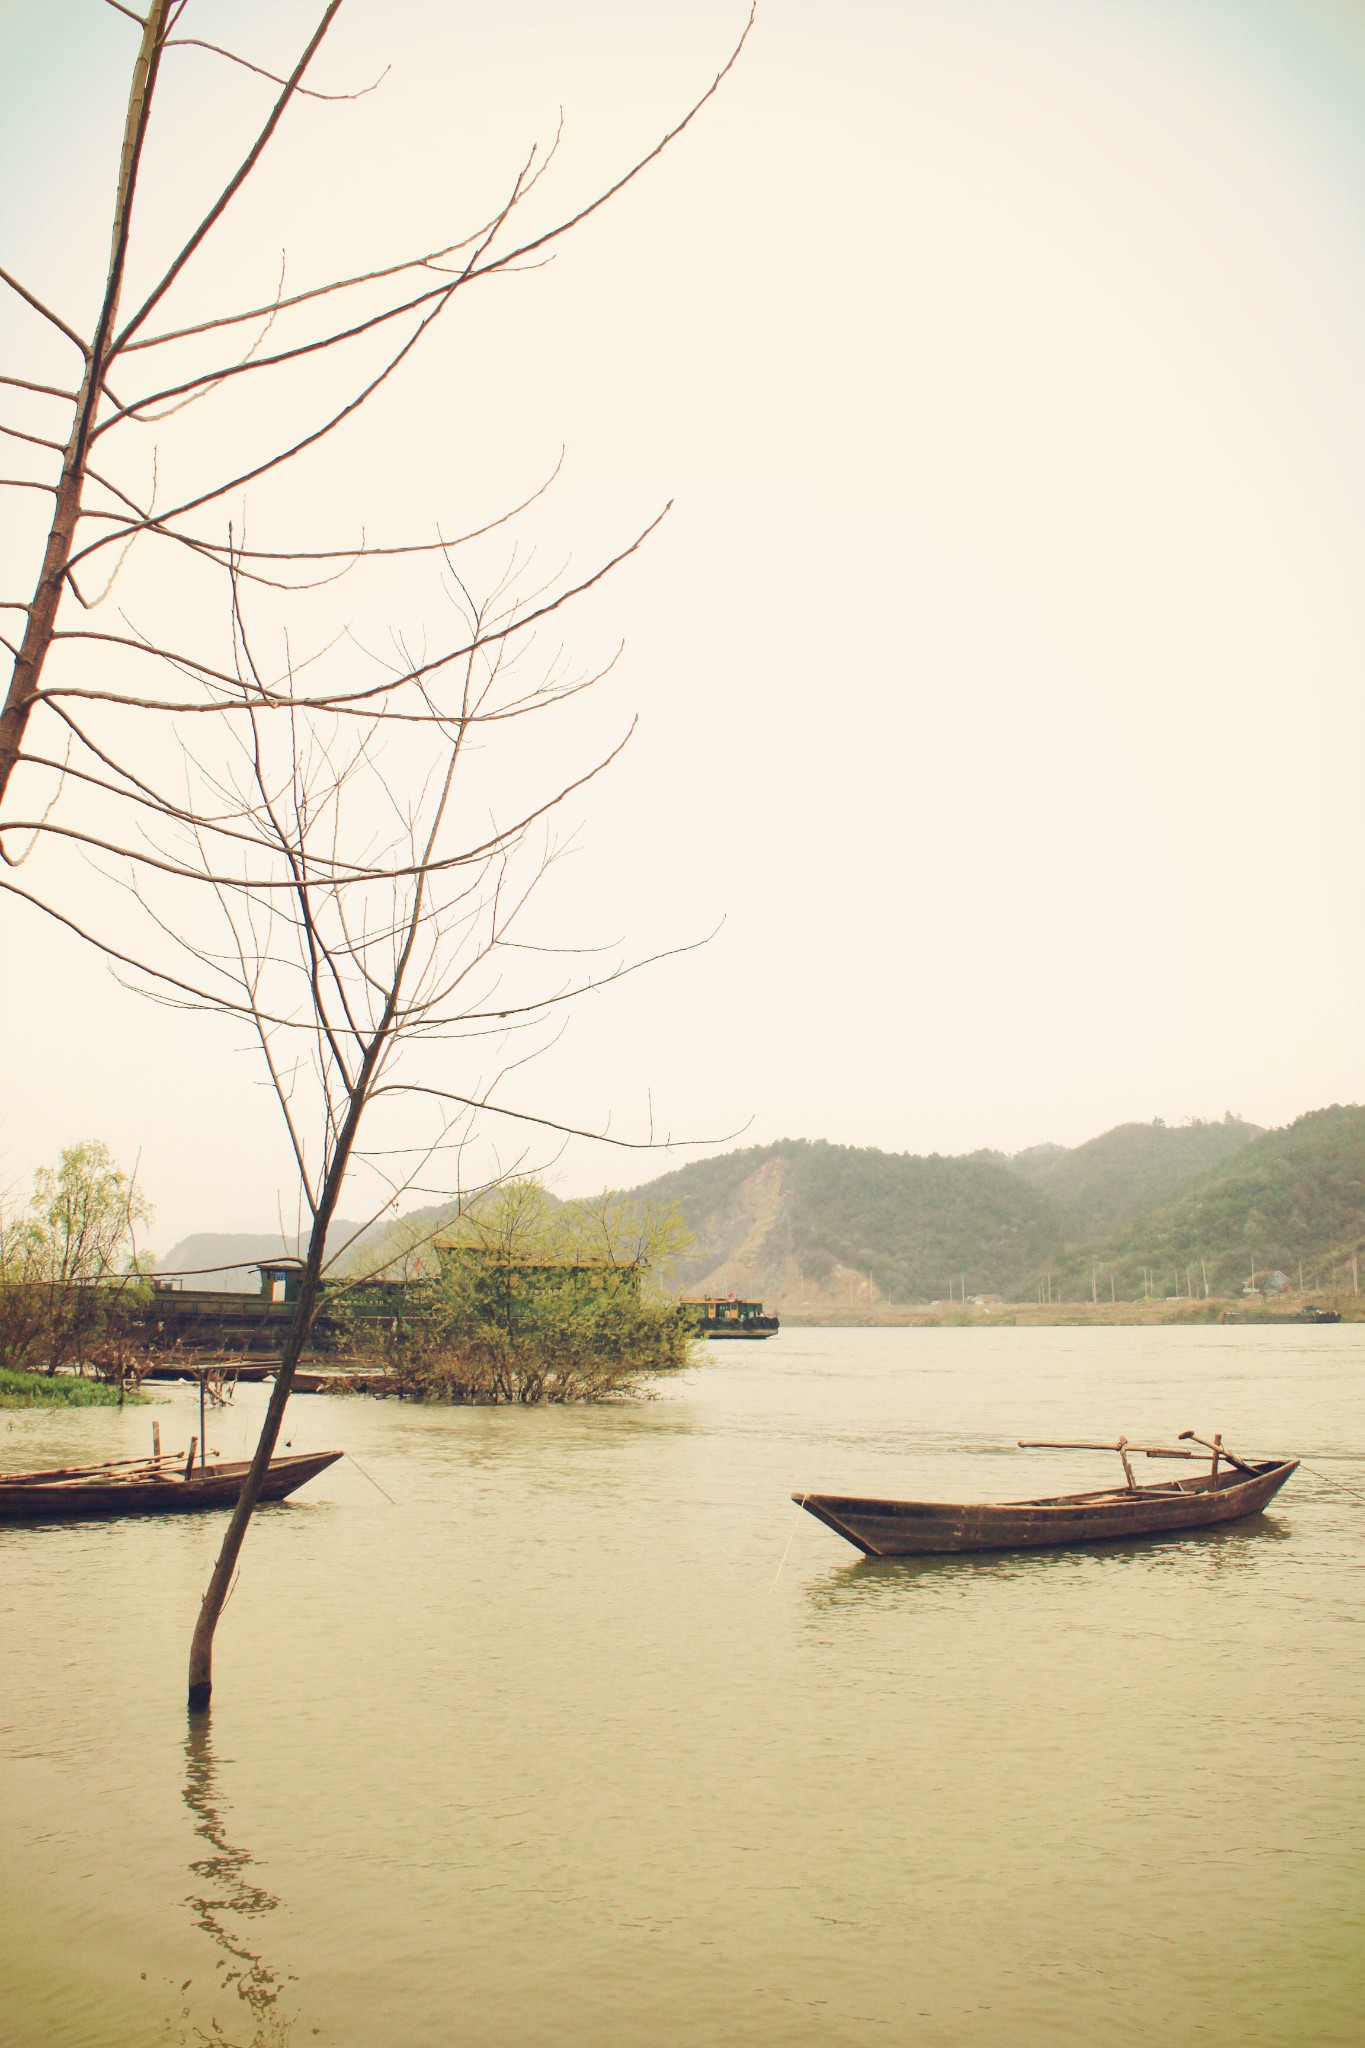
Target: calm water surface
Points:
x,y
589,1738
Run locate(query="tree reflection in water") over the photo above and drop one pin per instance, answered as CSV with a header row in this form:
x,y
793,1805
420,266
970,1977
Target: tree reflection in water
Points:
x,y
225,1904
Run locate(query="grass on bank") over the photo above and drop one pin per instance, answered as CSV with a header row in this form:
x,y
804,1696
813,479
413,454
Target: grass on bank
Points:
x,y
48,1390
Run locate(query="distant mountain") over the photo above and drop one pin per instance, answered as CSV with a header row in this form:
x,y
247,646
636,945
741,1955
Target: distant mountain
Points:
x,y
1288,1197
223,1259
1102,1185
1144,1205
833,1224
1034,1160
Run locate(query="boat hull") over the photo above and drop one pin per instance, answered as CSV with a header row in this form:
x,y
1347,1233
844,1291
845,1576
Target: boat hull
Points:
x,y
24,1498
914,1528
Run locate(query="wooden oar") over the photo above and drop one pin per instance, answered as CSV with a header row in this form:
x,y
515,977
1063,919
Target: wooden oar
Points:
x,y
1220,1450
88,1471
1147,1450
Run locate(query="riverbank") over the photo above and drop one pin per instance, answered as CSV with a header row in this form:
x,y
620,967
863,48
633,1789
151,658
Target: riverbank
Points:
x,y
1063,1315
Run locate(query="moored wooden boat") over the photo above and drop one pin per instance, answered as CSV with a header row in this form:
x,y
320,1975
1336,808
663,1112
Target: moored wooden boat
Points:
x,y
913,1528
151,1488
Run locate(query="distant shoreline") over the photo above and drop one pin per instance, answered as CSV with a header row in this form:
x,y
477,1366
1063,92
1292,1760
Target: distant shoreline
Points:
x,y
1065,1315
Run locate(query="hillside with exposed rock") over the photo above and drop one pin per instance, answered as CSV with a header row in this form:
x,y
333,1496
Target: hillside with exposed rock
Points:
x,y
1144,1208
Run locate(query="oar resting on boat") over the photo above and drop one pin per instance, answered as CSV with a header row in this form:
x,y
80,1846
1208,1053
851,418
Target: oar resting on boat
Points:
x,y
1172,1507
146,1487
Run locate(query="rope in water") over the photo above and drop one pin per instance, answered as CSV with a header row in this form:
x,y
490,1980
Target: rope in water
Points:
x,y
374,1482
790,1540
1328,1480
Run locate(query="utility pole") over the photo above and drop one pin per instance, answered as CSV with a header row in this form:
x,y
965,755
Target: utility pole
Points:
x,y
1205,1271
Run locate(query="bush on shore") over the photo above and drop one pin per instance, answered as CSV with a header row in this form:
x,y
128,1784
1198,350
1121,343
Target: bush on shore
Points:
x,y
538,1302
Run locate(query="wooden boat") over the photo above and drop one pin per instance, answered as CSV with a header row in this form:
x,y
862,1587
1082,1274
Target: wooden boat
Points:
x,y
146,1487
914,1528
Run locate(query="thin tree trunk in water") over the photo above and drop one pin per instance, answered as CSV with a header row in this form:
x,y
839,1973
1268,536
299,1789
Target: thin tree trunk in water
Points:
x,y
201,1645
220,1584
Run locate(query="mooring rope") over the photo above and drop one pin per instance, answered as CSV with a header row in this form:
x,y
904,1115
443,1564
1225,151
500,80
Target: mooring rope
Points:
x,y
374,1482
790,1540
1328,1480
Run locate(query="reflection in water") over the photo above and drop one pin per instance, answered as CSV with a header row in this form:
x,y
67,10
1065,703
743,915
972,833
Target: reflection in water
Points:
x,y
1205,1552
225,1904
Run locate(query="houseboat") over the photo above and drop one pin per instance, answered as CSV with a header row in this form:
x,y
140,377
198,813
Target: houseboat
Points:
x,y
725,1315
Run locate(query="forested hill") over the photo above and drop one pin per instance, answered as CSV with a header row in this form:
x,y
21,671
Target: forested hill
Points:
x,y
1102,1185
831,1224
1291,1197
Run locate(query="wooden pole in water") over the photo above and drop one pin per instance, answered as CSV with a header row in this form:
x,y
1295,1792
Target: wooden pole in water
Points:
x,y
156,1439
203,1433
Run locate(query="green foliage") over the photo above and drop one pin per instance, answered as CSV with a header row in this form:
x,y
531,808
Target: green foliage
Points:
x,y
1103,1185
71,1279
42,1390
1291,1196
536,1301
912,1223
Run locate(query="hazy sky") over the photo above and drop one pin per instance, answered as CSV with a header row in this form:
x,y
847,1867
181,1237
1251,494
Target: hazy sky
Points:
x,y
999,665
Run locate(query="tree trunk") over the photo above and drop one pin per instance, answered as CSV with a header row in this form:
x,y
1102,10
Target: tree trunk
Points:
x,y
220,1584
42,615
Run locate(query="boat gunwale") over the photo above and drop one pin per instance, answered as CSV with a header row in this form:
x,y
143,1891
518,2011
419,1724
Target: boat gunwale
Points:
x,y
1063,1503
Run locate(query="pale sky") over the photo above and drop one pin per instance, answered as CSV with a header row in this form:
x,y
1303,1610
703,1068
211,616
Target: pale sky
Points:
x,y
999,665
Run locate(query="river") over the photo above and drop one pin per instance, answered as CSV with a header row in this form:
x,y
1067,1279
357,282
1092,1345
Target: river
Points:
x,y
588,1737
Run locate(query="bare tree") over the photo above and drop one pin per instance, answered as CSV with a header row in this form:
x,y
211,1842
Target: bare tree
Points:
x,y
368,926
138,370
366,939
